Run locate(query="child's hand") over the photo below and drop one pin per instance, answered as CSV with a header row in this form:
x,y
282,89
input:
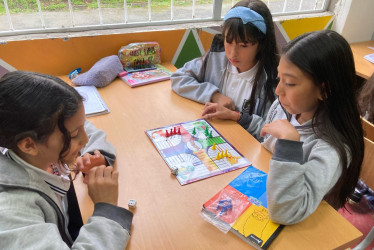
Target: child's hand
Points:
x,y
218,111
223,100
103,184
281,129
88,161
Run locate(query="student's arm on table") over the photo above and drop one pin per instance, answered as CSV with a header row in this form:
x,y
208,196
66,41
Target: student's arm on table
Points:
x,y
185,84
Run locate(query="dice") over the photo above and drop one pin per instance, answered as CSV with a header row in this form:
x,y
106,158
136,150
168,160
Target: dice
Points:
x,y
174,170
132,203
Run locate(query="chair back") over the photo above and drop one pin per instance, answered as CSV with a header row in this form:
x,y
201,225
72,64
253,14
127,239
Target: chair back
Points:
x,y
368,128
367,167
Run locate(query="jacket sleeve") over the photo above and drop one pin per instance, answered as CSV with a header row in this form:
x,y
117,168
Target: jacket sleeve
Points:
x,y
184,82
22,215
254,123
107,219
97,141
296,188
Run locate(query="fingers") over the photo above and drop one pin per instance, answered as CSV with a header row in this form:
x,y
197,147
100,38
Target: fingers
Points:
x,y
86,159
263,132
103,184
108,172
96,154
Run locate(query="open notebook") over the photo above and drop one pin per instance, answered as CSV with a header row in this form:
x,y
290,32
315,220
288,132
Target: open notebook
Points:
x,y
93,103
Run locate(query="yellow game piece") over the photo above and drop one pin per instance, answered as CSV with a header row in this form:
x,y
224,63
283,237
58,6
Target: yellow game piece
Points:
x,y
214,146
218,157
225,154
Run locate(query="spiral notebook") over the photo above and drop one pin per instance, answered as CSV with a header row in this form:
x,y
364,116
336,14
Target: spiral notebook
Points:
x,y
92,101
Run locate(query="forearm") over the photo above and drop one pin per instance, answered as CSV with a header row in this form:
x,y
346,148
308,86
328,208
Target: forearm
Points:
x,y
97,141
295,188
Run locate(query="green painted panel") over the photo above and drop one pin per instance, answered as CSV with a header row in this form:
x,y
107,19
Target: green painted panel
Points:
x,y
190,50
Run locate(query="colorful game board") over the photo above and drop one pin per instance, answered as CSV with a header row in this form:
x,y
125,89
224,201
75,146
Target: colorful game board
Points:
x,y
194,150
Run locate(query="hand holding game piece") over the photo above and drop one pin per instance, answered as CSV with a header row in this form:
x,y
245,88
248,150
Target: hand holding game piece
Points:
x,y
103,184
88,161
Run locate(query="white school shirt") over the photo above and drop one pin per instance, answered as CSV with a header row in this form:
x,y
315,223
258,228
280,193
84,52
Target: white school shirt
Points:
x,y
294,122
238,86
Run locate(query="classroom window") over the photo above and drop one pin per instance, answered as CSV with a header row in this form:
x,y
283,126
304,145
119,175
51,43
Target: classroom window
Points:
x,y
41,16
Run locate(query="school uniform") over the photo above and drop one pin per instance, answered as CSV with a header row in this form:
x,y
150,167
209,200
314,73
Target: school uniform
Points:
x,y
301,172
199,82
39,210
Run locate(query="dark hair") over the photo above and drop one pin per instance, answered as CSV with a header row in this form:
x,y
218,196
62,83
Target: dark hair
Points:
x,y
32,105
327,58
366,99
267,55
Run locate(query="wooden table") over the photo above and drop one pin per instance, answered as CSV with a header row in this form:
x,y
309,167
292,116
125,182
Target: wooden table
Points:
x,y
167,215
364,68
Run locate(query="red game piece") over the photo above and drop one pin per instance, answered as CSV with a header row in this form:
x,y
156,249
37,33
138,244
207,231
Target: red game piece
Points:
x,y
167,134
179,131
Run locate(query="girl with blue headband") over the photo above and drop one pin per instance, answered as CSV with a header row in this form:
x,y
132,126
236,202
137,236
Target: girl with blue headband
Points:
x,y
237,77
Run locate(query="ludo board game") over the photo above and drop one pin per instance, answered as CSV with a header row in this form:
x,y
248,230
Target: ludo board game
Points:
x,y
194,150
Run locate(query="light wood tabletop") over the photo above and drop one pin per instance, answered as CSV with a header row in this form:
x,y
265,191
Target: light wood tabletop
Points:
x,y
167,215
364,68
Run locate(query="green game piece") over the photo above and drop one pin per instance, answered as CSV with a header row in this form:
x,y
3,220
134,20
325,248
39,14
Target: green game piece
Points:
x,y
206,131
210,134
194,131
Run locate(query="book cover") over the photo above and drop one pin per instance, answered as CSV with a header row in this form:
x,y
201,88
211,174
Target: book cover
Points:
x,y
92,101
241,207
146,77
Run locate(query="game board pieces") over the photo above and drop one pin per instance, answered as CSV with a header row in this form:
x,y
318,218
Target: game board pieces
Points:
x,y
222,154
210,134
214,146
219,156
194,131
173,131
206,131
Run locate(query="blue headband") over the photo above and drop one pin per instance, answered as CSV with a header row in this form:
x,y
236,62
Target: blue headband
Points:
x,y
247,15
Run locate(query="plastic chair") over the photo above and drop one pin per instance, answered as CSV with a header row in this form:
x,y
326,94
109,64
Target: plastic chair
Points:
x,y
368,128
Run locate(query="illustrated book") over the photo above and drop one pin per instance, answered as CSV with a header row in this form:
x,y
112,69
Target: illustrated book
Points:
x,y
195,150
92,101
241,207
146,77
